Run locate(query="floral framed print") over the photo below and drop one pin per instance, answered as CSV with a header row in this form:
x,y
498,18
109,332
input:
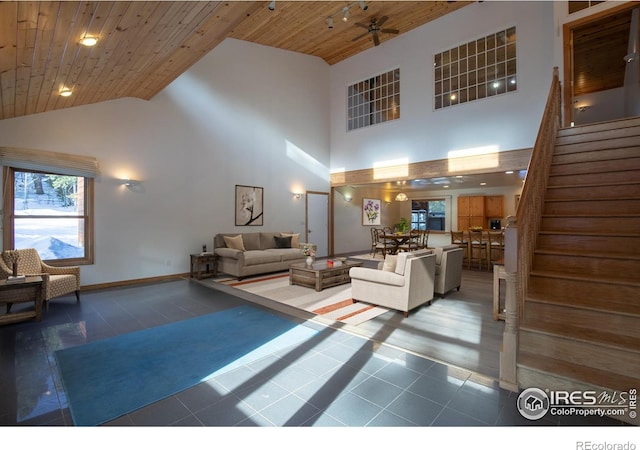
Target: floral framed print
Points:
x,y
371,211
249,205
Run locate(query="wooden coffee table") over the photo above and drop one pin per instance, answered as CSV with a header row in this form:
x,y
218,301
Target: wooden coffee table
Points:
x,y
28,291
320,275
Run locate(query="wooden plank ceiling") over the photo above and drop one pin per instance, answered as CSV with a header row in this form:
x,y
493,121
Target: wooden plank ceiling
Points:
x,y
145,45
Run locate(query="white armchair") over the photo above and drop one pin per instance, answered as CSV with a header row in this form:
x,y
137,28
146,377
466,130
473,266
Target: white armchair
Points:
x,y
408,286
449,262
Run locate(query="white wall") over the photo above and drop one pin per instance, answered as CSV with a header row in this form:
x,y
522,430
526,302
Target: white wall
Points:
x,y
509,121
245,114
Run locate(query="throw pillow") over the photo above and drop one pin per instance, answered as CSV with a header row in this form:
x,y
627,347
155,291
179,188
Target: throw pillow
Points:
x,y
389,264
283,242
295,239
234,242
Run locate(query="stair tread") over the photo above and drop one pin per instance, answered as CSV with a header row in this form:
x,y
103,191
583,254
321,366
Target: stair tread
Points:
x,y
594,185
588,278
583,334
587,254
628,312
590,233
593,199
587,375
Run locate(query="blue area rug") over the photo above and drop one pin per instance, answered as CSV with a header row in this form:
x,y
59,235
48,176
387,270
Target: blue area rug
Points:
x,y
106,379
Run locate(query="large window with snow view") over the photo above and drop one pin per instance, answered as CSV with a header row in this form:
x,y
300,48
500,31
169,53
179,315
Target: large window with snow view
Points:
x,y
481,68
374,100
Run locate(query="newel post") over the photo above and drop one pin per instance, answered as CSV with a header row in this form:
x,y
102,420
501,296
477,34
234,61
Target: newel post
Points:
x,y
509,350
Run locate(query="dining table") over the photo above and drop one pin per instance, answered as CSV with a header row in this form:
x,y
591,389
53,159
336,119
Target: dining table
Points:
x,y
396,240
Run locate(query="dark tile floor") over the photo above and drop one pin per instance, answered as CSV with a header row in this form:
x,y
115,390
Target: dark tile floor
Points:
x,y
335,379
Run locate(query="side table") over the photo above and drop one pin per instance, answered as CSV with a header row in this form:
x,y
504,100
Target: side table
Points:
x,y
29,290
208,260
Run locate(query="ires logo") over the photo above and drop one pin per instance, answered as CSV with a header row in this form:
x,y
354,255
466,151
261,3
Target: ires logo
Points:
x,y
534,403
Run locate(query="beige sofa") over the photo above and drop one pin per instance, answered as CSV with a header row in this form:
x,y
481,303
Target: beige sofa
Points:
x,y
409,285
258,254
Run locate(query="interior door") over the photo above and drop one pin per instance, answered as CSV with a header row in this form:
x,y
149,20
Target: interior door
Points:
x,y
317,221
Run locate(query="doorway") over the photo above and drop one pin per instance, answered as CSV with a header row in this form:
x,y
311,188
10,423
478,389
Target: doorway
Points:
x,y
317,221
594,66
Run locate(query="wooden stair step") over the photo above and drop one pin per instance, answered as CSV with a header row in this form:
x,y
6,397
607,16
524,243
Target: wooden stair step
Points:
x,y
631,279
596,150
596,191
598,378
601,265
612,176
628,205
570,331
605,241
597,355
549,313
592,294
626,125
621,223
595,166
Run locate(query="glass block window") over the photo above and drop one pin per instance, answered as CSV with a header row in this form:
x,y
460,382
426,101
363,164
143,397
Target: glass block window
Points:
x,y
478,69
374,100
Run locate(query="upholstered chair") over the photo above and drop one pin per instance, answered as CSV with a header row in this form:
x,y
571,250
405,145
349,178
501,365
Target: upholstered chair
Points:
x,y
56,281
404,286
449,263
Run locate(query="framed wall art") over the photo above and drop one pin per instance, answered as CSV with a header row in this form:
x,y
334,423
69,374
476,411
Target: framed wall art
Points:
x,y
249,206
371,211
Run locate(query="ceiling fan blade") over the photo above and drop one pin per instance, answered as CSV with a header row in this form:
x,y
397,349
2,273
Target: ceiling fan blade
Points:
x,y
389,30
376,39
382,20
359,37
361,25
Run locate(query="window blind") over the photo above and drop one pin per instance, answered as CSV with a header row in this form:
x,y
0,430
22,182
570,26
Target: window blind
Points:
x,y
45,161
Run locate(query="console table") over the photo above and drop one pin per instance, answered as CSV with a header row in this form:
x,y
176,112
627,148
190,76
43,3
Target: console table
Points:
x,y
29,290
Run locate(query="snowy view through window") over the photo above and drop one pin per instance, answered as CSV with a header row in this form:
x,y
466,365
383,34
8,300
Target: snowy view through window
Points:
x,y
49,214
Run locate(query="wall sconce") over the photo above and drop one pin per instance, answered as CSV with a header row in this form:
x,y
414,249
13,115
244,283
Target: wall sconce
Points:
x,y
297,195
347,198
583,108
630,57
131,183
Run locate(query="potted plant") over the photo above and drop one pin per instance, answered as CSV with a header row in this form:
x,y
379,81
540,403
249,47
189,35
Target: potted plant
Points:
x,y
403,225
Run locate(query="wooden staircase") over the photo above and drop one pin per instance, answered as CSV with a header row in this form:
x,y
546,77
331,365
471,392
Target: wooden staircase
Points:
x,y
580,324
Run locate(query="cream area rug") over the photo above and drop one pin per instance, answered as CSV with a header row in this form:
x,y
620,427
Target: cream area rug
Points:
x,y
334,303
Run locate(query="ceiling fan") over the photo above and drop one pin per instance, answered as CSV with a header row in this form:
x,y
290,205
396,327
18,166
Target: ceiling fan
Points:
x,y
374,28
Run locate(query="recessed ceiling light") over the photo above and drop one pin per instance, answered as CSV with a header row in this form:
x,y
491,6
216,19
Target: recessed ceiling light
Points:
x,y
509,172
65,92
446,187
483,184
89,41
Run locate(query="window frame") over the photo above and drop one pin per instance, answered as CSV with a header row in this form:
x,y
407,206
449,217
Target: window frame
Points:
x,y
8,233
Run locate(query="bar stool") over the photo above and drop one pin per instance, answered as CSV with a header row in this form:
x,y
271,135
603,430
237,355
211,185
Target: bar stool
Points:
x,y
478,251
457,238
496,246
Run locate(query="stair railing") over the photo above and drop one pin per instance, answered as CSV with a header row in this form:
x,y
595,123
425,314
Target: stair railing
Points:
x,y
522,230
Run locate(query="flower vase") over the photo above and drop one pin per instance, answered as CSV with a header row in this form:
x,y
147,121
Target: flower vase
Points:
x,y
309,260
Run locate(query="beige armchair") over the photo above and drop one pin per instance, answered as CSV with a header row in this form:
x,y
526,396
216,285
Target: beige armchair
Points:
x,y
408,286
56,281
449,262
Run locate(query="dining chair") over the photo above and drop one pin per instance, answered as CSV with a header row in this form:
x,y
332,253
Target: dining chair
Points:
x,y
379,243
413,243
423,242
478,252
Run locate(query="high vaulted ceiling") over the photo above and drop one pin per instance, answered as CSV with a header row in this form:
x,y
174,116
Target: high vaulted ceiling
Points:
x,y
145,45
